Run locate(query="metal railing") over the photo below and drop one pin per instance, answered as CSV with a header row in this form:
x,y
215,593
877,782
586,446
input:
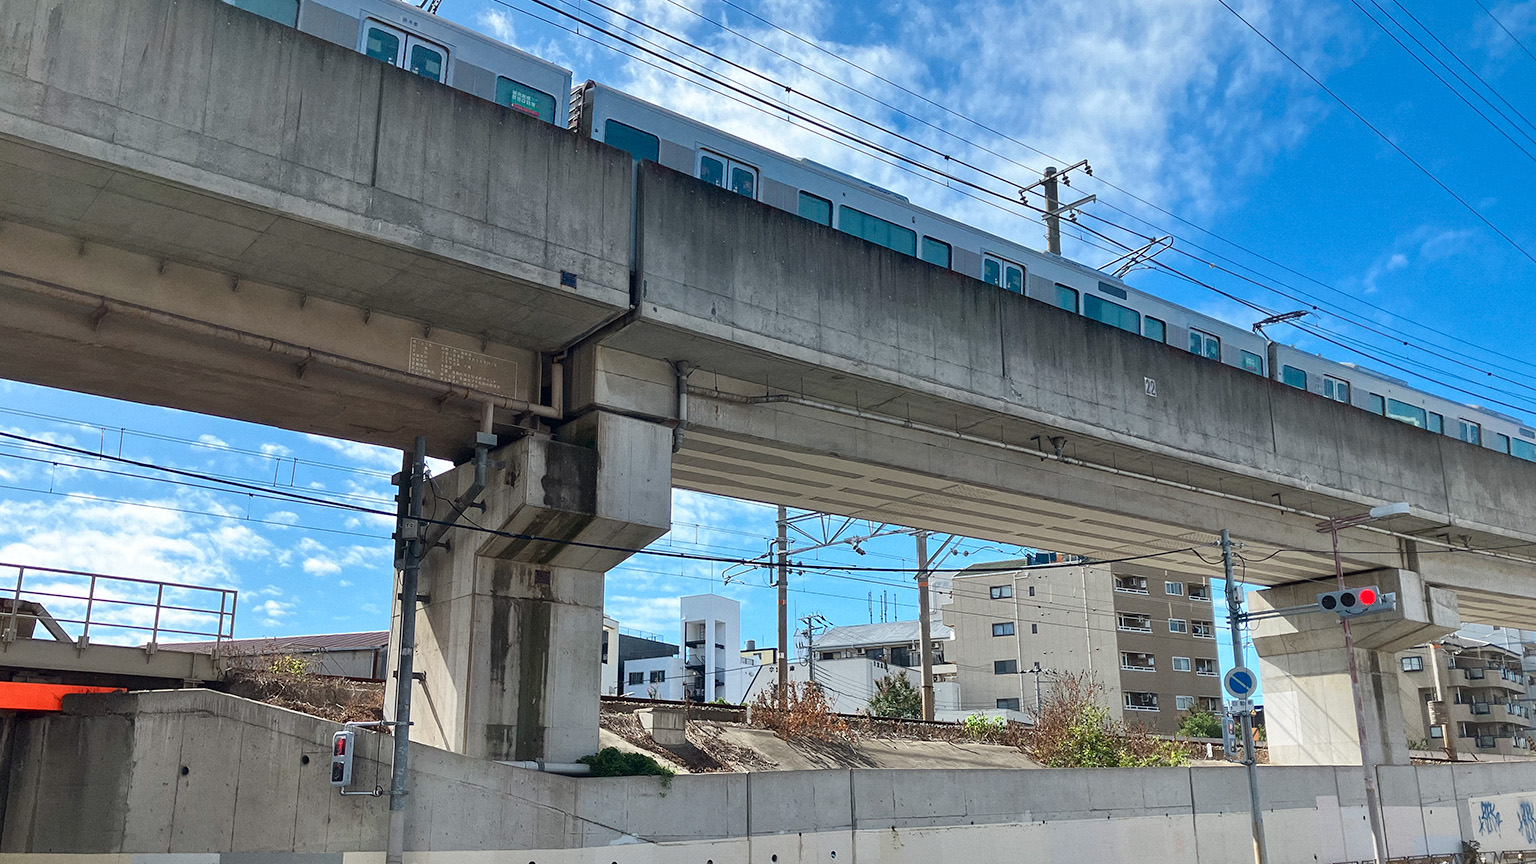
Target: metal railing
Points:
x,y
74,605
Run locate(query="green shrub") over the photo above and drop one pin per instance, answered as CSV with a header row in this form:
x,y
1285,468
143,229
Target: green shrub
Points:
x,y
613,762
1200,724
980,727
896,697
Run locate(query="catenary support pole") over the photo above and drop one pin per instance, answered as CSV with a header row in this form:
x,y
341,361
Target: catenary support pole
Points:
x,y
783,578
1250,757
409,530
1052,221
924,626
1367,766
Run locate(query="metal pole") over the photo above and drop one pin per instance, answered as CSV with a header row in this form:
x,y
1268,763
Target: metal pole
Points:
x,y
1052,221
1037,670
1250,758
783,568
410,531
1368,770
924,627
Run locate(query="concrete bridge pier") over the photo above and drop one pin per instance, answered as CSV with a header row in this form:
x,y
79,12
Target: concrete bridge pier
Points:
x,y
508,628
1308,704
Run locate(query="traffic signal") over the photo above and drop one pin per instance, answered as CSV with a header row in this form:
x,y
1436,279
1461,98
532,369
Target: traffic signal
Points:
x,y
341,757
1357,601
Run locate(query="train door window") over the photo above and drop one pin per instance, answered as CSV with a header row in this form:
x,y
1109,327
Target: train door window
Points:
x,y
426,59
1436,423
1410,414
1295,377
937,252
1501,442
521,97
1470,432
727,174
1253,363
744,180
1002,273
1155,329
1113,314
877,230
383,43
712,169
1204,344
281,11
1066,297
1336,389
818,210
1378,404
641,145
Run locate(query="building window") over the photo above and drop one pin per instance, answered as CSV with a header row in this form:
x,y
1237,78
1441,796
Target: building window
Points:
x,y
1211,704
1003,274
1470,432
1031,590
1378,403
658,676
1253,363
1008,704
816,209
1134,623
1203,629
1155,329
1437,731
877,230
1066,297
1414,663
1002,628
1138,661
1181,664
1402,412
1140,701
937,252
1178,625
1199,592
1184,703
1113,314
1005,667
1336,389
637,677
1002,592
1131,584
1205,667
1204,344
1173,589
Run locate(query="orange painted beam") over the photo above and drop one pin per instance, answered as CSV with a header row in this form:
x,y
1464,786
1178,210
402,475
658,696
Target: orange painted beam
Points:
x,y
30,696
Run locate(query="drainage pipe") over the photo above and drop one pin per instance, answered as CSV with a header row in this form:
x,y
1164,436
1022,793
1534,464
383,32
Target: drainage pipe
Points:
x,y
575,769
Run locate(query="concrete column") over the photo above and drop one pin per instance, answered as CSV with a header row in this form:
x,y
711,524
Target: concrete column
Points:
x,y
1309,710
509,629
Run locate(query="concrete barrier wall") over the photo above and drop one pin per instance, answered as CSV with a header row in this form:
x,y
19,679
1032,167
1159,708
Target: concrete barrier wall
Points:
x,y
805,295
200,772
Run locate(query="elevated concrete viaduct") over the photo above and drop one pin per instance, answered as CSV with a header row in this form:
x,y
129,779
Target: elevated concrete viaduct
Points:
x,y
206,210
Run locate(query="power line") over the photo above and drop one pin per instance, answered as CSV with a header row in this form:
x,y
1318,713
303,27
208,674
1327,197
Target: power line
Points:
x,y
1505,29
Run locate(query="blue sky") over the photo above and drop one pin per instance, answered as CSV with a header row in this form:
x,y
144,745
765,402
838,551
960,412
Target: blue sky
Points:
x,y
1177,102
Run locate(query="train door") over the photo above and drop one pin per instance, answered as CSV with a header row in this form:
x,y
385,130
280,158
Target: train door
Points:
x,y
728,173
1002,273
406,50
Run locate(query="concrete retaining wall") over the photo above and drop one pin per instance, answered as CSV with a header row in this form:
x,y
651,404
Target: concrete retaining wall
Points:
x,y
200,772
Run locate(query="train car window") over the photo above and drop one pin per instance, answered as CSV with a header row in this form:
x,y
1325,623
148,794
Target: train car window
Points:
x,y
1066,297
712,170
1336,389
937,252
1113,314
743,180
1501,442
1155,329
641,145
877,230
1410,414
992,272
381,43
1253,363
426,61
1470,432
818,210
1204,344
1002,273
281,11
1436,423
521,97
1523,449
1295,377
1378,404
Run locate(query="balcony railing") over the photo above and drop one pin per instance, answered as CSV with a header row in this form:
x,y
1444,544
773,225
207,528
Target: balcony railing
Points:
x,y
80,607
1481,708
1487,741
1474,674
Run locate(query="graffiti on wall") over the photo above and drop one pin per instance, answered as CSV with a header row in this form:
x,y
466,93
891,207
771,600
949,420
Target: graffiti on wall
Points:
x,y
1504,822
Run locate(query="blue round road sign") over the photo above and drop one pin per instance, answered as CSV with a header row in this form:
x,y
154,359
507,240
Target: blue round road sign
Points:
x,y
1240,682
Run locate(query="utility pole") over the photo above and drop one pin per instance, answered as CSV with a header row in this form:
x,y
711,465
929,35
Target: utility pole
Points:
x,y
783,568
409,530
924,627
1052,220
1039,700
1250,758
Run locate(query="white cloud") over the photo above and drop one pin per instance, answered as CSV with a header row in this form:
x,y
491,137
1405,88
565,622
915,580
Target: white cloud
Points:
x,y
276,450
498,23
369,456
212,441
321,567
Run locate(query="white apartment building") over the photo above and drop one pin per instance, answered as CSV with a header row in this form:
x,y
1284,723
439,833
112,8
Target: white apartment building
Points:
x,y
710,668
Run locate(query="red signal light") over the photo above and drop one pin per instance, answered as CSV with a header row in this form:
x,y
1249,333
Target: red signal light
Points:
x,y
1367,597
341,746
